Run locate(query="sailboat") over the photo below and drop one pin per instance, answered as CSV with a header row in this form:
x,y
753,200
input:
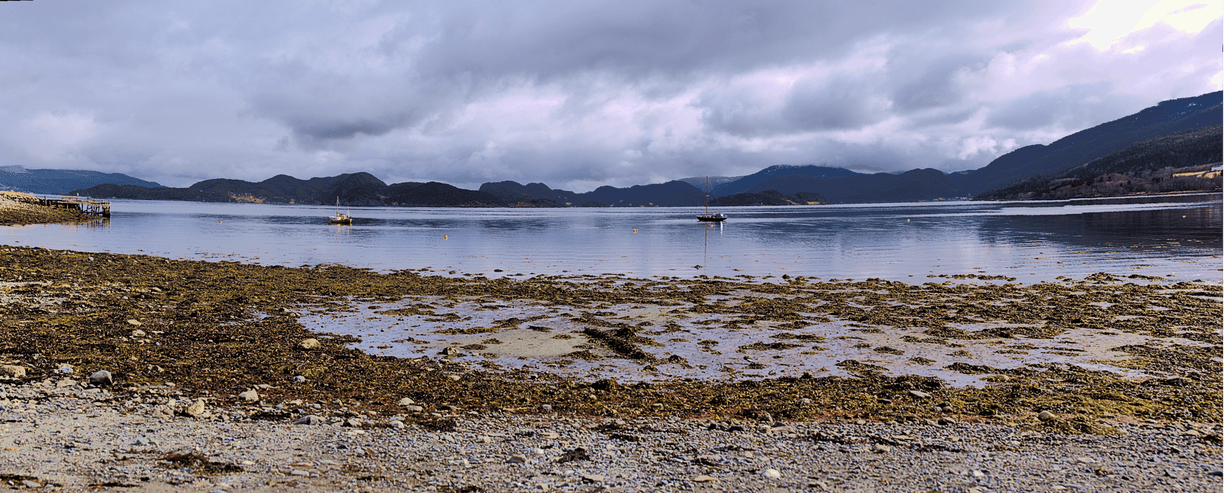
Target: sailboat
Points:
x,y
340,218
707,217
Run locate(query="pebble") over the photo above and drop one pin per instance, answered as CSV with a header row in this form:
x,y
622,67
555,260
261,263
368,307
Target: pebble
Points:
x,y
705,479
517,459
311,419
134,322
414,409
772,473
1046,416
30,484
880,448
309,344
101,378
593,478
299,379
406,402
249,396
138,333
920,394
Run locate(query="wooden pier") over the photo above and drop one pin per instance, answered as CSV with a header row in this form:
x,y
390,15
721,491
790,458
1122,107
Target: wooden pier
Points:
x,y
92,207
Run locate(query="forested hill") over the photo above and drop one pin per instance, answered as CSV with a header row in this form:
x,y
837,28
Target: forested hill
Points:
x,y
1166,118
61,181
1171,163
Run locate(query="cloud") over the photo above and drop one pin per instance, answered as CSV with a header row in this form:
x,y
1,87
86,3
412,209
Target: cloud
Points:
x,y
572,94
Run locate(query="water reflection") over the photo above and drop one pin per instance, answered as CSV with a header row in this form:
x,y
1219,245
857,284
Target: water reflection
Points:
x,y
1178,235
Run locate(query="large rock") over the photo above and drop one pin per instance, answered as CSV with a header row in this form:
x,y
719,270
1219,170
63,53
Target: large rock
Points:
x,y
309,344
12,371
195,409
101,378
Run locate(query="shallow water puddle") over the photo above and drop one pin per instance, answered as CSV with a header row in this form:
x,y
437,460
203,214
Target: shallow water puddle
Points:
x,y
676,343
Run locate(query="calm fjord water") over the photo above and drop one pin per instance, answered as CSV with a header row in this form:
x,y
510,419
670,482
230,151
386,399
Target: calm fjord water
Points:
x,y
1031,241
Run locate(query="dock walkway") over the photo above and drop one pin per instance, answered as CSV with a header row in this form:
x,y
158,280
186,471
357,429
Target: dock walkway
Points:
x,y
87,205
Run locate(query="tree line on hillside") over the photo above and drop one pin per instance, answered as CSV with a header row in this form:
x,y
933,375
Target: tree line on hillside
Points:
x,y
1171,163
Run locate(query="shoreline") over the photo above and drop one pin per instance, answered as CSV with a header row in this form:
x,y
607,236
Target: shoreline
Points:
x,y
15,211
217,330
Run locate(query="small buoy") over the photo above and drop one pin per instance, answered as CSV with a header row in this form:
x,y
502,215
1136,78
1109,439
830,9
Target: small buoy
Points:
x,y
635,229
445,237
220,222
907,220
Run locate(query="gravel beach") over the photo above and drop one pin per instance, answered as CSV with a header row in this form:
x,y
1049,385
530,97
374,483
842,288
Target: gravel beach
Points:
x,y
65,436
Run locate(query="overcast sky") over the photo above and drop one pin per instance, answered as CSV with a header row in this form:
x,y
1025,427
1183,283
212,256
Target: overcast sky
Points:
x,y
572,93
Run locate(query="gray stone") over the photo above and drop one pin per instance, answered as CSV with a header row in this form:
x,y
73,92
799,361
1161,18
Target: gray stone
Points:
x,y
101,378
138,333
134,322
249,396
517,459
406,402
414,409
1046,416
309,344
353,423
309,419
299,379
880,448
772,473
593,478
920,394
30,484
195,409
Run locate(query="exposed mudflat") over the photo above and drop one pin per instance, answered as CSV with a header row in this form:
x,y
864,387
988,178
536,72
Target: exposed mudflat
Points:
x,y
988,354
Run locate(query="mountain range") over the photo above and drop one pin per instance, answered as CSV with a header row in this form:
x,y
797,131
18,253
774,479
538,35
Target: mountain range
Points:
x,y
59,181
775,185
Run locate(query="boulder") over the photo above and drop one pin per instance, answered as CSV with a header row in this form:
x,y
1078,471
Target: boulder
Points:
x,y
12,371
101,378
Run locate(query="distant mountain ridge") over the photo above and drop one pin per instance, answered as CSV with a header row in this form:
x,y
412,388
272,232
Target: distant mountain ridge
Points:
x,y
60,182
794,184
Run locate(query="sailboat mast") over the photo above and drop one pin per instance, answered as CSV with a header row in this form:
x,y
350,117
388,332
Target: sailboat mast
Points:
x,y
707,201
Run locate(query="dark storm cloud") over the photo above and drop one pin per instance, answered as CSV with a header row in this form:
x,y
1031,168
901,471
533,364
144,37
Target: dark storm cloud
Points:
x,y
574,94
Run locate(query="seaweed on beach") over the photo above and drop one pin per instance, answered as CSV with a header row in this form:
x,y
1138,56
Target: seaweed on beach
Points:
x,y
216,329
